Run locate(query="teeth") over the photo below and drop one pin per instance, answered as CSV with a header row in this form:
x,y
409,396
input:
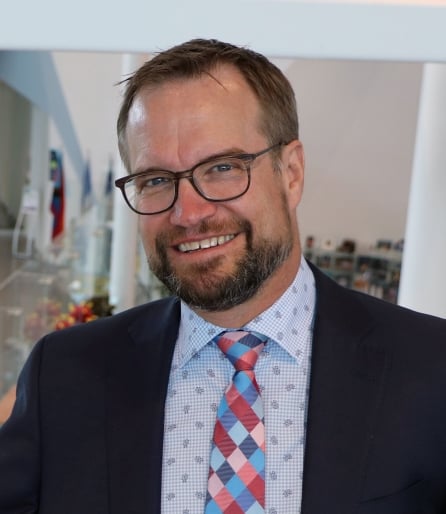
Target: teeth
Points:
x,y
205,243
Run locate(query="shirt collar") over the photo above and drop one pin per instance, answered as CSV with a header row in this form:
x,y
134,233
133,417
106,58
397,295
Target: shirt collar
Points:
x,y
286,322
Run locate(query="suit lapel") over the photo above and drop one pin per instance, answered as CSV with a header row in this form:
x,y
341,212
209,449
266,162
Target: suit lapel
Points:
x,y
348,372
138,375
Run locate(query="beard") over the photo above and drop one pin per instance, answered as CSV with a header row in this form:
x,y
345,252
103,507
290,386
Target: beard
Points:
x,y
203,286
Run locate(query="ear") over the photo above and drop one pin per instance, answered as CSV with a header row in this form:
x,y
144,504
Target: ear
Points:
x,y
293,165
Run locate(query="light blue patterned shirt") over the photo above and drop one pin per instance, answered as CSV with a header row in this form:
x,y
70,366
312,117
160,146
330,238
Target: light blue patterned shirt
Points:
x,y
200,374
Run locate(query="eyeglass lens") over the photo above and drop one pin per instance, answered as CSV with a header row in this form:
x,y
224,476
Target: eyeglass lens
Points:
x,y
218,180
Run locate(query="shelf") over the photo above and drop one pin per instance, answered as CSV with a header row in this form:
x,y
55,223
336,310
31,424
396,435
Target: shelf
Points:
x,y
374,273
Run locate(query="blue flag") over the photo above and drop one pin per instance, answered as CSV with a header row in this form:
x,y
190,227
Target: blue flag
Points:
x,y
87,192
109,180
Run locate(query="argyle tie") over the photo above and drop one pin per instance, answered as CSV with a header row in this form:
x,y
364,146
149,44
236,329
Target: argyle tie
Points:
x,y
236,482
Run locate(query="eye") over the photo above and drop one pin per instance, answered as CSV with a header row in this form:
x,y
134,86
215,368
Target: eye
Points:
x,y
221,167
150,182
224,167
156,181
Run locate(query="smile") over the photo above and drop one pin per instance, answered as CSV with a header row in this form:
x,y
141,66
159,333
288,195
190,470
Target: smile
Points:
x,y
205,243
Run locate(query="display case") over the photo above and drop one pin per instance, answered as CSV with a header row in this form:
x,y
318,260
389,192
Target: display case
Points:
x,y
376,272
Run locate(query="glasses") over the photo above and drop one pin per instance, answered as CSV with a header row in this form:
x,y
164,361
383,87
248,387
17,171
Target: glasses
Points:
x,y
218,179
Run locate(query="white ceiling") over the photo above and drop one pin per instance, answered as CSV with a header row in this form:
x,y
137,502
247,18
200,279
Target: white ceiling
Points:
x,y
379,30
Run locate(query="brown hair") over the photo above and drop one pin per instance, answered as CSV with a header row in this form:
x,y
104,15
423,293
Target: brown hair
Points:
x,y
279,122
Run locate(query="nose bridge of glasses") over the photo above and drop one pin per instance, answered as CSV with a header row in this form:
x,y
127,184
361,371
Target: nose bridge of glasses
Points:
x,y
178,175
189,175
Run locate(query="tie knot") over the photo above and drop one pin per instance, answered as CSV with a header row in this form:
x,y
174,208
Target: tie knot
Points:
x,y
241,348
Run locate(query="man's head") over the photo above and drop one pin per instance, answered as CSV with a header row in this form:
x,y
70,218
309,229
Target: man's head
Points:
x,y
215,249
279,121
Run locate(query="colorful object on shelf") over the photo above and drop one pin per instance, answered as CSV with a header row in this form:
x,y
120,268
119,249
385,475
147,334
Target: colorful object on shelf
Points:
x,y
80,313
48,316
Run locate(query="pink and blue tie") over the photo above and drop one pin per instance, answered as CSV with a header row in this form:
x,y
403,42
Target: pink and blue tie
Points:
x,y
236,482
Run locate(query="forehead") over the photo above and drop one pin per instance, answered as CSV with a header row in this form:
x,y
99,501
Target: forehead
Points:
x,y
221,84
211,112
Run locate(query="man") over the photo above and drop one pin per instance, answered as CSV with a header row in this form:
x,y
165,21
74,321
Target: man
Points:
x,y
118,415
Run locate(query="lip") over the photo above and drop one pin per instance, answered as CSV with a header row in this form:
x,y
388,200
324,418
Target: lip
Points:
x,y
204,243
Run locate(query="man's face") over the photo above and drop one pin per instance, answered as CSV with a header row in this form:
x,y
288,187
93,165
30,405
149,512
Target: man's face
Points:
x,y
216,255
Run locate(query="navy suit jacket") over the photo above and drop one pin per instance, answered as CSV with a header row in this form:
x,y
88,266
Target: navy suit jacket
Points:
x,y
86,433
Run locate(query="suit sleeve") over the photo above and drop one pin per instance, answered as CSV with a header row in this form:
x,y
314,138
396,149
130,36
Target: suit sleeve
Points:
x,y
20,444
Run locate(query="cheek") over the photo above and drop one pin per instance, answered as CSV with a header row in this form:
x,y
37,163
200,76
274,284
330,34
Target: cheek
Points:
x,y
274,216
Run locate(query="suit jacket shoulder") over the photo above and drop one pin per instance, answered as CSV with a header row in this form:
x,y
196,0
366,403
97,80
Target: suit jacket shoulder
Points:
x,y
376,423
86,431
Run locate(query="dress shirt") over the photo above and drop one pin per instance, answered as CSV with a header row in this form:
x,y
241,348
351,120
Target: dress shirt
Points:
x,y
200,374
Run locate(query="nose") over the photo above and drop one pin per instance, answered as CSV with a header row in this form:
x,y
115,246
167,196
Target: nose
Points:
x,y
190,207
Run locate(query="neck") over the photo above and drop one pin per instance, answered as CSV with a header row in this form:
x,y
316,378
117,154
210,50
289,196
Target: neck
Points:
x,y
270,292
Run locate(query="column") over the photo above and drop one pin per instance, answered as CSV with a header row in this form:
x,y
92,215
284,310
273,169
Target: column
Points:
x,y
39,175
124,241
423,279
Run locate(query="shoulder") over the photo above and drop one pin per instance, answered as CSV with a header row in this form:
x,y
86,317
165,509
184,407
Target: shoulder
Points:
x,y
85,350
150,319
350,323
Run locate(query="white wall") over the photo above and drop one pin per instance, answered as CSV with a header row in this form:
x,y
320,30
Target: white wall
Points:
x,y
88,80
358,123
15,123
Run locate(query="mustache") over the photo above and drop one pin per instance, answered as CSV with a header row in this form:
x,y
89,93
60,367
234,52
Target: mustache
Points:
x,y
233,225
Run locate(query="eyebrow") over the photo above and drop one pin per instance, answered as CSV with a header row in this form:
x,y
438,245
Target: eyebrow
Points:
x,y
234,151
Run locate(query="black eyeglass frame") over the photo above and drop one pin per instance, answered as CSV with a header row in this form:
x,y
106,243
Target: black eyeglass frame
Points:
x,y
176,176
